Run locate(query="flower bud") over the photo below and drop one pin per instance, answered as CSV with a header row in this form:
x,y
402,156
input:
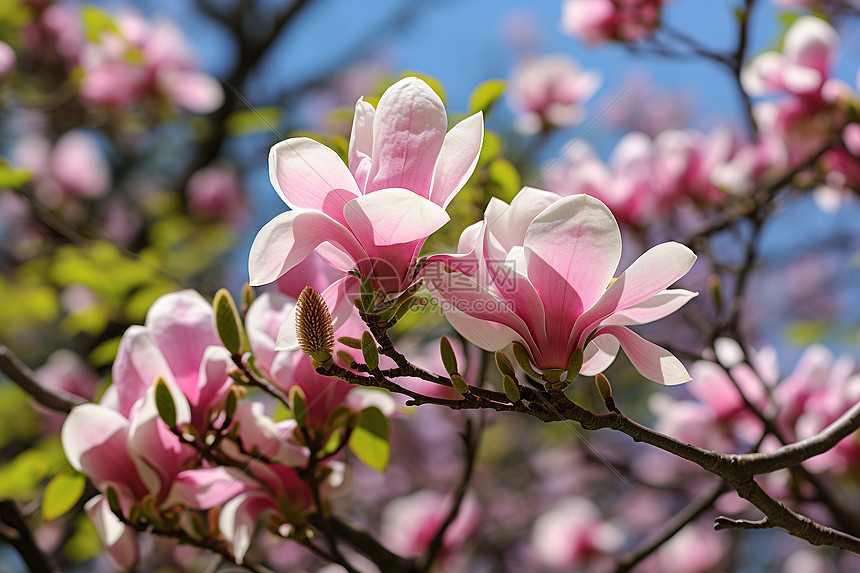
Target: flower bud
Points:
x,y
314,326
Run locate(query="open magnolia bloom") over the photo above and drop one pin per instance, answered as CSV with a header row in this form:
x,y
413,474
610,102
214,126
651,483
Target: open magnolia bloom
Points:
x,y
540,271
374,215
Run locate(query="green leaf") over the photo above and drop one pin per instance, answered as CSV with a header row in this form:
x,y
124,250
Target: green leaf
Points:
x,y
512,391
491,147
369,440
369,350
505,176
249,121
13,177
164,403
449,359
104,353
96,21
485,95
61,494
299,405
227,321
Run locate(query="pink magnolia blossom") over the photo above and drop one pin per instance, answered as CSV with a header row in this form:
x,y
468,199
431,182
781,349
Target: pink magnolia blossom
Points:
x,y
648,178
574,533
123,443
7,59
145,58
550,91
540,271
803,66
374,215
410,522
73,168
597,21
215,193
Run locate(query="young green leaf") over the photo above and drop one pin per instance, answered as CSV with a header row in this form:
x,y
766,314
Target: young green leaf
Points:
x,y
449,359
61,494
369,350
485,95
227,321
369,440
164,403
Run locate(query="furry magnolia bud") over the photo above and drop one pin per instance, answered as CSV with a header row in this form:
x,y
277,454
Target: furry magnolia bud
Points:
x,y
313,325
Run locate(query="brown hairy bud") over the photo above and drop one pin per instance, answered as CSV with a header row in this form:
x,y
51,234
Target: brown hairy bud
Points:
x,y
313,325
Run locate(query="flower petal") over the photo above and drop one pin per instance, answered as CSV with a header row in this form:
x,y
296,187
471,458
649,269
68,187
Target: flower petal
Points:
x,y
408,131
206,488
361,142
656,307
238,521
653,271
457,159
183,326
94,441
599,354
119,541
287,239
578,237
309,175
393,217
139,363
651,361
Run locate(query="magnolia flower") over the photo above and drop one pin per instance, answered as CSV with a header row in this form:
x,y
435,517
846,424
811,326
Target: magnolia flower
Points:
x,y
74,168
7,59
145,57
804,65
540,271
550,91
374,215
215,193
573,532
124,444
410,522
596,21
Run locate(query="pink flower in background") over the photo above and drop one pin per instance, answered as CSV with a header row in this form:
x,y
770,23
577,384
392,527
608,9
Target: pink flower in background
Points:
x,y
374,215
550,91
646,178
410,522
215,193
540,271
573,534
803,66
821,388
597,21
694,549
7,59
67,372
147,57
74,168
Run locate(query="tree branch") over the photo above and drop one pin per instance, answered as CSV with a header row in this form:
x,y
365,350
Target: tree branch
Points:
x,y
16,532
20,374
